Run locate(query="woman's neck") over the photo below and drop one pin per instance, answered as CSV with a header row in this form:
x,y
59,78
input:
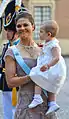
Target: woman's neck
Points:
x,y
27,42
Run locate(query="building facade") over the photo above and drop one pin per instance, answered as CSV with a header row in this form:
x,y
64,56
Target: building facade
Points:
x,y
43,10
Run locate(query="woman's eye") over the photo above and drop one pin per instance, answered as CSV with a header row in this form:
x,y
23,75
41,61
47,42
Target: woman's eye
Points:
x,y
18,26
25,25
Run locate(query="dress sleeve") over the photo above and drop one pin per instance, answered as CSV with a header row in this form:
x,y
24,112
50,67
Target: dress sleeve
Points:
x,y
9,53
54,44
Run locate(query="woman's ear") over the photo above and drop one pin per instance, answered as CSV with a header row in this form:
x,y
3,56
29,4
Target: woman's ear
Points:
x,y
33,27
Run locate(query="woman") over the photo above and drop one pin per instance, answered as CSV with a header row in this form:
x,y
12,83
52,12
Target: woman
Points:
x,y
17,77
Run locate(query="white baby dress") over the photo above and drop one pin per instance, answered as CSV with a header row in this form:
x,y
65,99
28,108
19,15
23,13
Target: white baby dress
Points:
x,y
52,79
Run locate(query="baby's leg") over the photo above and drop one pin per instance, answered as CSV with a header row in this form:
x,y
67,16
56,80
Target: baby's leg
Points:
x,y
37,99
38,90
52,105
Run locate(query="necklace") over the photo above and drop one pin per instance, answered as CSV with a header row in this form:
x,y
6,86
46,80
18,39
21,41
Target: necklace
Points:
x,y
26,47
30,49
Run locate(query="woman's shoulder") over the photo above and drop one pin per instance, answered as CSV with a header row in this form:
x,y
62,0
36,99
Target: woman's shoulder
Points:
x,y
9,52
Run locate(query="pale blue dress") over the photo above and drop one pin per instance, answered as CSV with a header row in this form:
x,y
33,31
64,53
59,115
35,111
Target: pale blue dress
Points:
x,y
52,79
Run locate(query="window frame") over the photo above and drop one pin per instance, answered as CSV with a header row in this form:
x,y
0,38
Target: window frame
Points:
x,y
50,3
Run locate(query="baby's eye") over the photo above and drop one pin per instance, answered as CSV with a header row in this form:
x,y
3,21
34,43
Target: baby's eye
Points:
x,y
41,31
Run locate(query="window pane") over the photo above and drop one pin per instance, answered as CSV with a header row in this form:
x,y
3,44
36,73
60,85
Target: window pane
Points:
x,y
41,14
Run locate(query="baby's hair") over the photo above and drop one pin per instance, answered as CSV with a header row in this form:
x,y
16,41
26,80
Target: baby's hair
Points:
x,y
51,26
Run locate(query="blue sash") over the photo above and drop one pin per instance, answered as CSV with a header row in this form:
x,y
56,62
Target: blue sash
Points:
x,y
20,60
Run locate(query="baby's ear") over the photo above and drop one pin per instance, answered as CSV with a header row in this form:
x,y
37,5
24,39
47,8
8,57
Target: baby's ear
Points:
x,y
49,34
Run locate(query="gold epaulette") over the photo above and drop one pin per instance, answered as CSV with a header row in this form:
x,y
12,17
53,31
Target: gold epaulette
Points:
x,y
3,70
17,8
14,96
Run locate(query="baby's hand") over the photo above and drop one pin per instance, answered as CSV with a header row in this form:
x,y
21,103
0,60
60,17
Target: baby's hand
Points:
x,y
44,68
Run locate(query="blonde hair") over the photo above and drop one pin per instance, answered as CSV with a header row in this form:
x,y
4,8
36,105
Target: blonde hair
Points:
x,y
51,26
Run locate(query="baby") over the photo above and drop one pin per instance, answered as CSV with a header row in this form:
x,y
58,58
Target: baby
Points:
x,y
50,72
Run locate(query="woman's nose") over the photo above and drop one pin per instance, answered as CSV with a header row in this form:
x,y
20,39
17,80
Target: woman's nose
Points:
x,y
22,27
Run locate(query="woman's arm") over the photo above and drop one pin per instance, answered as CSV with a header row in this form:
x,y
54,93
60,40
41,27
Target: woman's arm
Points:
x,y
11,77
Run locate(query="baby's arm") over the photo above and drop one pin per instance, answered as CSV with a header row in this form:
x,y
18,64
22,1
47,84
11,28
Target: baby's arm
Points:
x,y
56,57
44,68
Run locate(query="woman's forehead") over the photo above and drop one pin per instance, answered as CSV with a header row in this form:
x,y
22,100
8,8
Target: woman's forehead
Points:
x,y
22,20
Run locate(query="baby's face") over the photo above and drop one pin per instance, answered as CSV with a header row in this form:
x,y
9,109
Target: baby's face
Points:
x,y
43,35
